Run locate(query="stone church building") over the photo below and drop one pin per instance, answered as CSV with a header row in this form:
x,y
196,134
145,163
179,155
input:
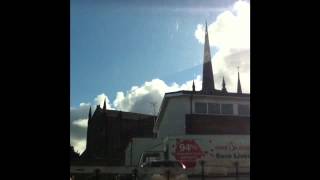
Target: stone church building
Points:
x,y
109,133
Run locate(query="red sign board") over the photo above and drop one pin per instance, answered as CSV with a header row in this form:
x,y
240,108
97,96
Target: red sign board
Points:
x,y
188,152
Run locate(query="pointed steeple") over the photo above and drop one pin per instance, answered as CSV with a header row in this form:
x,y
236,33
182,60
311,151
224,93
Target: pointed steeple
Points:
x,y
88,131
207,74
193,87
104,104
224,89
90,113
239,90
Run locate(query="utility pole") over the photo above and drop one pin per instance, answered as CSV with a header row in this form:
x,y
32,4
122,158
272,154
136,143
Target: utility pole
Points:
x,y
154,110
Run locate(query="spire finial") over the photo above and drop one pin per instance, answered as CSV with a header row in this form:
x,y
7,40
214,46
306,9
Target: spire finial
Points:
x,y
193,86
206,27
224,89
104,104
239,90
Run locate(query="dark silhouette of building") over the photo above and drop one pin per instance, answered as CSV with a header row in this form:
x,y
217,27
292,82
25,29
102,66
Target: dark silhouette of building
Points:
x,y
109,133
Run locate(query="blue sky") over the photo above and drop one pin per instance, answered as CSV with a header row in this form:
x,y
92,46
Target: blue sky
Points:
x,y
116,45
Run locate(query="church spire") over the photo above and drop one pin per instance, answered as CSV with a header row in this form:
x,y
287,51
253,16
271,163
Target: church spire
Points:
x,y
224,89
90,113
207,74
104,104
239,90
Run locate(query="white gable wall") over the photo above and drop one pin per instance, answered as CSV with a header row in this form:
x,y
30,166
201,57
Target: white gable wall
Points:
x,y
173,120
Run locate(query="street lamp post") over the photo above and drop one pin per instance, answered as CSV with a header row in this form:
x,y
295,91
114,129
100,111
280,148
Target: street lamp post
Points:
x,y
202,169
237,170
135,173
131,151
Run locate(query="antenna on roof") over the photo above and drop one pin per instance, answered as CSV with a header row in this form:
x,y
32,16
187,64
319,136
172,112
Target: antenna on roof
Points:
x,y
154,110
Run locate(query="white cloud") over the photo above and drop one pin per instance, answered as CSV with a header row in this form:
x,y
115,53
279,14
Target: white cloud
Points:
x,y
79,145
177,26
140,98
100,99
84,104
230,34
231,29
81,123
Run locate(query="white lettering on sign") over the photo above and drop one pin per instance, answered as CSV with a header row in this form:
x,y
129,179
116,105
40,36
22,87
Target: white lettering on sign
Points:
x,y
187,147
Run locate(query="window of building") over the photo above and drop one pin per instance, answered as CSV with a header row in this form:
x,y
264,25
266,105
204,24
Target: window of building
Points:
x,y
213,108
227,108
243,109
201,108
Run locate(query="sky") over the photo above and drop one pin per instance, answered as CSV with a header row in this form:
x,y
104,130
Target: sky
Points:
x,y
132,52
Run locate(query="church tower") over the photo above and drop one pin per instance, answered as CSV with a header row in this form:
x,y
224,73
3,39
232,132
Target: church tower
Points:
x,y
207,74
